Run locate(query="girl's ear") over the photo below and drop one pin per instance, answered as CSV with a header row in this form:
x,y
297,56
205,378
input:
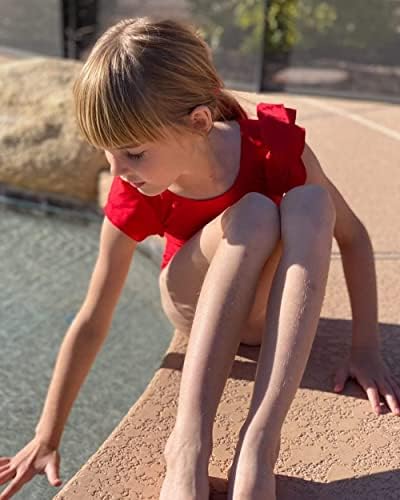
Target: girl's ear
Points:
x,y
201,119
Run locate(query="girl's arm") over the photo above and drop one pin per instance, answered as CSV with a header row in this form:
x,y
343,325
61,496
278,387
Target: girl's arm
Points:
x,y
365,362
357,257
87,332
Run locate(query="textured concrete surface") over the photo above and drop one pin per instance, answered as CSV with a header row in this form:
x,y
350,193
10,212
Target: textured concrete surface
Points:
x,y
333,446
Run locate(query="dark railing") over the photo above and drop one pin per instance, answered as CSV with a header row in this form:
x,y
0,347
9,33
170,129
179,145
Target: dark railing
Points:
x,y
79,26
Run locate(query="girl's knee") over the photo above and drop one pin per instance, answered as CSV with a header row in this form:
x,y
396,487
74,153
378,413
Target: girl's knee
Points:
x,y
253,219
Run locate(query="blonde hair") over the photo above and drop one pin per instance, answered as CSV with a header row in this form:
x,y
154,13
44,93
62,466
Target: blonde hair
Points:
x,y
141,80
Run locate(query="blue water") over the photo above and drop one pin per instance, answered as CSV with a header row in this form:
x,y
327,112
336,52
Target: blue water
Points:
x,y
45,266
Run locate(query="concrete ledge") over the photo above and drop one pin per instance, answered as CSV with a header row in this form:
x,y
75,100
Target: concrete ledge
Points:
x,y
332,445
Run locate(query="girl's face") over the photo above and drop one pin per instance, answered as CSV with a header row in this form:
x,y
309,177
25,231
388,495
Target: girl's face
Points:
x,y
151,167
179,163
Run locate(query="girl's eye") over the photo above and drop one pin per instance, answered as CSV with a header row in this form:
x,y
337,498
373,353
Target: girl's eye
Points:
x,y
132,156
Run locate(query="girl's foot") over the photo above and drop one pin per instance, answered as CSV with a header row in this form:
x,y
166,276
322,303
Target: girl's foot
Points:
x,y
249,477
187,472
185,482
253,481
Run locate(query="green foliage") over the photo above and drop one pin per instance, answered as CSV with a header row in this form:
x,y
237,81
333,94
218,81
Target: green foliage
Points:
x,y
248,16
281,32
348,23
305,24
234,24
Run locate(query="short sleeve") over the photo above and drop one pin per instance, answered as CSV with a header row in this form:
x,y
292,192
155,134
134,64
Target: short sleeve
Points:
x,y
284,141
132,212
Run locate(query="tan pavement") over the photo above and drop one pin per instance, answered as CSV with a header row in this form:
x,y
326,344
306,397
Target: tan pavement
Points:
x,y
333,446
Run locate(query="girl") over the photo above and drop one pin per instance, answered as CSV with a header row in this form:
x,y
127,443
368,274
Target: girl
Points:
x,y
248,216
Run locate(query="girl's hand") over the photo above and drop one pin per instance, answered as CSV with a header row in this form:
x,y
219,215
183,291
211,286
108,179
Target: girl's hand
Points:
x,y
35,458
371,372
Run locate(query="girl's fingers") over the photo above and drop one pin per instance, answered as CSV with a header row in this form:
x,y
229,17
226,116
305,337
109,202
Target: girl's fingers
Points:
x,y
373,396
4,467
11,489
6,476
52,474
390,395
340,378
396,388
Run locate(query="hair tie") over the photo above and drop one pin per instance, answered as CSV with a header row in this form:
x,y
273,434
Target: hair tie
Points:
x,y
217,90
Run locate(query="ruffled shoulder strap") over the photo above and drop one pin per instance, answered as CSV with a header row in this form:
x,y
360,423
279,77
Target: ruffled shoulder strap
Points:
x,y
282,142
278,131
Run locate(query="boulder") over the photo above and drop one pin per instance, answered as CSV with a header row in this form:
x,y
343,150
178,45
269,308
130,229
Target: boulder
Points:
x,y
41,149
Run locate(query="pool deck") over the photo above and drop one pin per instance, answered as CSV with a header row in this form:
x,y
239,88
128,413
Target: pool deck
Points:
x,y
333,445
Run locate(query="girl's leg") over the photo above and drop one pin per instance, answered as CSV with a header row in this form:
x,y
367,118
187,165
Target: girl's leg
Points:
x,y
307,222
250,231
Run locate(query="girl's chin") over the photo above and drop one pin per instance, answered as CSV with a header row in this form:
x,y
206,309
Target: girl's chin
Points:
x,y
137,186
149,190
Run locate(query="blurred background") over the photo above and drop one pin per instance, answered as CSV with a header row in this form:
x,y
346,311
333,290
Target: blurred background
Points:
x,y
304,46
48,247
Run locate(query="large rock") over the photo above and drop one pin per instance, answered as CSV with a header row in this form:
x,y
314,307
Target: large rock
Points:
x,y
41,149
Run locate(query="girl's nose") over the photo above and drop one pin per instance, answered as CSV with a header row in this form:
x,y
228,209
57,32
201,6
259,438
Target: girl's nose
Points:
x,y
117,168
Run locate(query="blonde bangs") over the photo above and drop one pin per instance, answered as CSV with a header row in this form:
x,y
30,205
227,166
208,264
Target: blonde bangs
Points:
x,y
110,114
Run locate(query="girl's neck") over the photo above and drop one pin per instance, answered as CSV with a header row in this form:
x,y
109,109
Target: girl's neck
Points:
x,y
218,165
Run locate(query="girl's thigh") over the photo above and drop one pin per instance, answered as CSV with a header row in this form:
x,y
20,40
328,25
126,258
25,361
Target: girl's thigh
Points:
x,y
181,281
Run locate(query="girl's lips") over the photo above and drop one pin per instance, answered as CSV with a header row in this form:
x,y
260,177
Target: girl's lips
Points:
x,y
135,184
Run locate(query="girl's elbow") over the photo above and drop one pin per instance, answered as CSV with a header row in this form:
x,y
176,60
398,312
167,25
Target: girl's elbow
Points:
x,y
358,236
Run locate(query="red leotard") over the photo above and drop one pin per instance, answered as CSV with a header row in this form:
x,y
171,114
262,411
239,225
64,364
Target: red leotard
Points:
x,y
270,163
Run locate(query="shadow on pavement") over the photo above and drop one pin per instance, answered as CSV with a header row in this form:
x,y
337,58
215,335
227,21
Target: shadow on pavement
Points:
x,y
331,345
